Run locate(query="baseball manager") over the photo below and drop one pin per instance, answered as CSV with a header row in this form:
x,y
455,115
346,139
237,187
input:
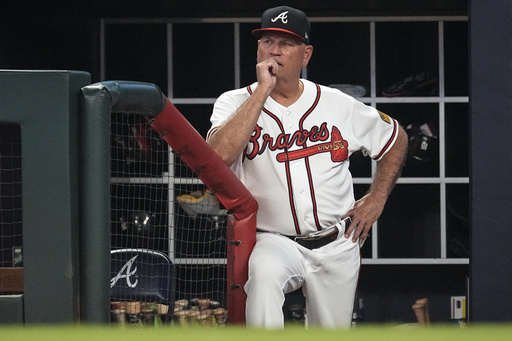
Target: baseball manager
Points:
x,y
289,140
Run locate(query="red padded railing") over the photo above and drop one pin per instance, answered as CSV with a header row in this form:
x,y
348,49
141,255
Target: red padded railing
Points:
x,y
216,175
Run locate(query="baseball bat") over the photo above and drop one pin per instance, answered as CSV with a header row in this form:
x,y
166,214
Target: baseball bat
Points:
x,y
118,312
133,307
420,308
221,316
162,309
180,305
181,317
133,310
203,303
205,317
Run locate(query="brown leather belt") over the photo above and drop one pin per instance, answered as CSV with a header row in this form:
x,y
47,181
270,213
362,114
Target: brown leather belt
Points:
x,y
321,238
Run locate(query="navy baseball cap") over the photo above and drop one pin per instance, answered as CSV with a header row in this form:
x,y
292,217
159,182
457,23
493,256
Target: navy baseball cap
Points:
x,y
285,19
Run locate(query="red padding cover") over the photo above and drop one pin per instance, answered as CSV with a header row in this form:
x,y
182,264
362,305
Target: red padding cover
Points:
x,y
184,139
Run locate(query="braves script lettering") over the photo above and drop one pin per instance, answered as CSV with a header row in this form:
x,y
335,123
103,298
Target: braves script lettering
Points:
x,y
260,143
127,268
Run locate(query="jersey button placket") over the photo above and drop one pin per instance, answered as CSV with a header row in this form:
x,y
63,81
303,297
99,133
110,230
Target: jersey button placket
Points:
x,y
289,122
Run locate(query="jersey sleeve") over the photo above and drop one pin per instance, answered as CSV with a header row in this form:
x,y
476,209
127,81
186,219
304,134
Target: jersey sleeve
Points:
x,y
375,130
223,109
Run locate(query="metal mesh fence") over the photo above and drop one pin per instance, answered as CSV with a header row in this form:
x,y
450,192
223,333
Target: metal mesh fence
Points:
x,y
158,204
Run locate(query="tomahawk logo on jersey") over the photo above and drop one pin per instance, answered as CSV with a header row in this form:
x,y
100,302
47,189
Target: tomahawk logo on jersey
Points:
x,y
337,146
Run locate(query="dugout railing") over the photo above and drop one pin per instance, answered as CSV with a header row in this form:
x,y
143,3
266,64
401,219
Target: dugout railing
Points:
x,y
146,99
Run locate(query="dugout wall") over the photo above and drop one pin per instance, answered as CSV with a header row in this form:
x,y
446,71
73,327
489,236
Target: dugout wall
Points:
x,y
46,107
491,162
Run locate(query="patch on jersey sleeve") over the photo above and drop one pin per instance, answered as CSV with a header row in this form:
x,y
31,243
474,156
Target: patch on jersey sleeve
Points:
x,y
384,117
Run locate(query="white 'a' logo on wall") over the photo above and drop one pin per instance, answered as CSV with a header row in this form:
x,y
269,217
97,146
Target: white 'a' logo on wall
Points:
x,y
128,273
283,16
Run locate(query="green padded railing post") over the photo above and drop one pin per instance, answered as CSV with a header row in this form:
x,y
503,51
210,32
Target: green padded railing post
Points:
x,y
99,100
95,200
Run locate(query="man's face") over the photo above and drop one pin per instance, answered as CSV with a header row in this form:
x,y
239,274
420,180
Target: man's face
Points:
x,y
289,51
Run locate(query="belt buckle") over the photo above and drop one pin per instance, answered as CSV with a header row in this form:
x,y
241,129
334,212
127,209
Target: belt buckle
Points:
x,y
318,239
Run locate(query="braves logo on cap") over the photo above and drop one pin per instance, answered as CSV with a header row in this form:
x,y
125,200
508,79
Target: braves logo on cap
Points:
x,y
283,16
285,19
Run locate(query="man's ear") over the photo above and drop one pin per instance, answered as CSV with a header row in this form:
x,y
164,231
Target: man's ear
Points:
x,y
308,52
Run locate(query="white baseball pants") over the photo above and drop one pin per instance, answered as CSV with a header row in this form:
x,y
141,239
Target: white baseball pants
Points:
x,y
328,277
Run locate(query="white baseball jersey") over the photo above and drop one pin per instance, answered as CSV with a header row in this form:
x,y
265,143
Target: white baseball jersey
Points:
x,y
296,164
